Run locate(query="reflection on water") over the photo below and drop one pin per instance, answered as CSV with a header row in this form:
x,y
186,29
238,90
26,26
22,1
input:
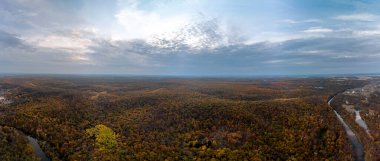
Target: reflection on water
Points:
x,y
361,122
356,145
37,149
2,98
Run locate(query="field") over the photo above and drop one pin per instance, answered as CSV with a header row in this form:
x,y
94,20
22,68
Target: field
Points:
x,y
170,118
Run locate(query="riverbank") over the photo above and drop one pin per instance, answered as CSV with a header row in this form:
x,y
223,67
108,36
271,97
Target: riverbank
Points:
x,y
357,147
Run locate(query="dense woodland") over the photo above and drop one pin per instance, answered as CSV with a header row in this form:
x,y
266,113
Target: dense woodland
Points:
x,y
132,118
14,146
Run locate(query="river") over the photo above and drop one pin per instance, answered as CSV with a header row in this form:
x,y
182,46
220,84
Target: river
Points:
x,y
37,149
357,147
361,123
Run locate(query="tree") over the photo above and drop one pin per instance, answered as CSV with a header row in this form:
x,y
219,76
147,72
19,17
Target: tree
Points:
x,y
104,136
106,145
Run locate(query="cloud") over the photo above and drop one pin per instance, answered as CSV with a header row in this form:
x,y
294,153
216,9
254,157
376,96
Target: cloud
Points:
x,y
311,55
42,36
126,54
367,33
176,31
357,17
139,24
291,21
297,56
76,43
318,30
203,33
274,61
22,57
60,42
36,16
8,40
313,20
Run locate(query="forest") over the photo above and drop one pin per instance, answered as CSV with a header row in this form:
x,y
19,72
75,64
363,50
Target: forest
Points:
x,y
170,118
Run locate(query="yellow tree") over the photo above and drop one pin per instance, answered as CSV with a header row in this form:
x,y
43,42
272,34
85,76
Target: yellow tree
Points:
x,y
106,142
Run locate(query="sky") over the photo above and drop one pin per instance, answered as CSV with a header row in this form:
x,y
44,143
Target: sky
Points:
x,y
190,37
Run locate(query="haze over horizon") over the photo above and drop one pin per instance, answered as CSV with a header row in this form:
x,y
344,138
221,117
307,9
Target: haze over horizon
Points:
x,y
190,37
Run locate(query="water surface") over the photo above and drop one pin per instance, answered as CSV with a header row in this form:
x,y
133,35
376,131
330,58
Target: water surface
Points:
x,y
357,147
37,149
361,122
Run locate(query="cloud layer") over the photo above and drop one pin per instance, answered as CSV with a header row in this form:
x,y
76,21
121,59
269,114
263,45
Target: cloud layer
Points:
x,y
171,38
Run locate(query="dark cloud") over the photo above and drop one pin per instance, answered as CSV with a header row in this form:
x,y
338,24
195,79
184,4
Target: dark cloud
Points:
x,y
9,40
301,56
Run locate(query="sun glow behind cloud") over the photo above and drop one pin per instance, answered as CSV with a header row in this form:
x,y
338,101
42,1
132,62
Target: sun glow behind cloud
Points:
x,y
138,24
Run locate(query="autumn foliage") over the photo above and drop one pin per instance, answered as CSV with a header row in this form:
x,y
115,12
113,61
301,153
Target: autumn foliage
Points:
x,y
117,118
